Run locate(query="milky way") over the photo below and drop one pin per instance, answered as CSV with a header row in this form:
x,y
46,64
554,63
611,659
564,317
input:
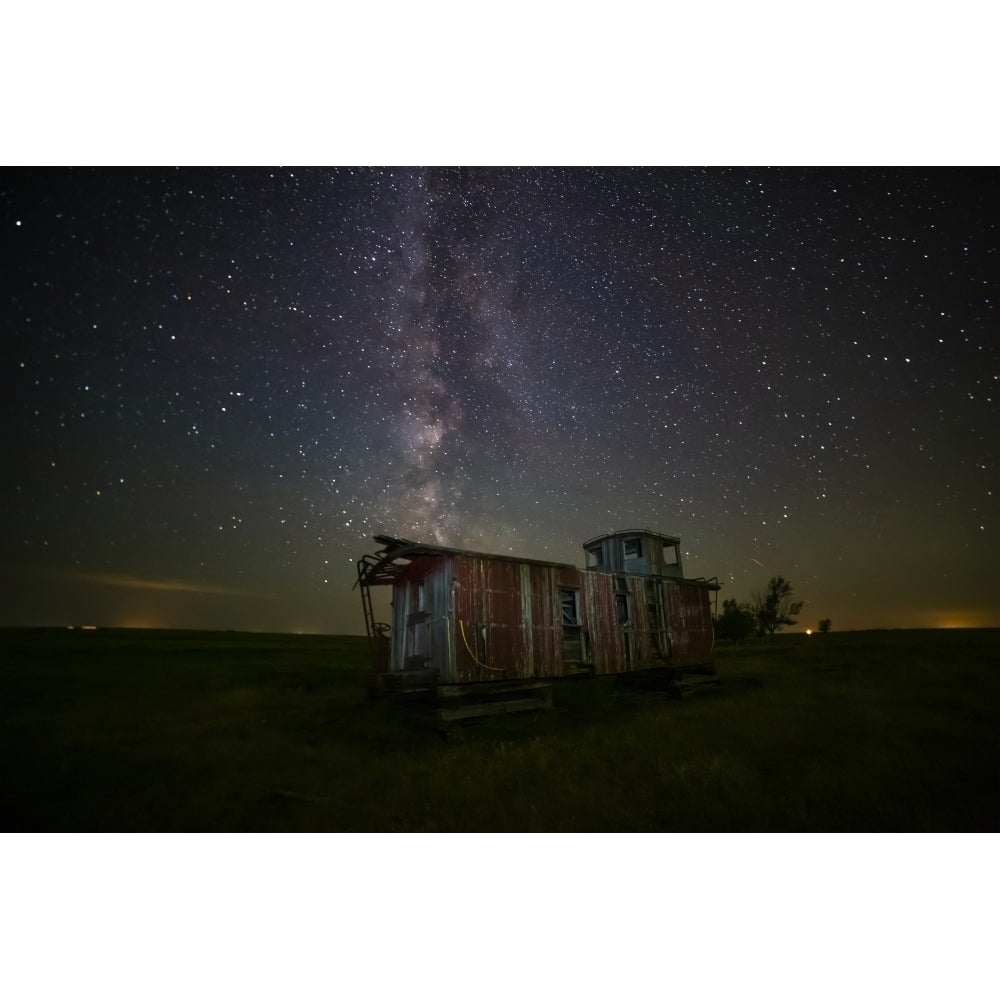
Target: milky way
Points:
x,y
219,384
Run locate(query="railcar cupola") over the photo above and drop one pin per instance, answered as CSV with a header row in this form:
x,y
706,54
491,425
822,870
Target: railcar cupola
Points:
x,y
642,553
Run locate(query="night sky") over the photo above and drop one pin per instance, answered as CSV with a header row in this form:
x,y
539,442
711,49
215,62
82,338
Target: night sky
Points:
x,y
218,384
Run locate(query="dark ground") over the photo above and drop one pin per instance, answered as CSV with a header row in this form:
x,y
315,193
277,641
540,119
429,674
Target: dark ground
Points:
x,y
198,731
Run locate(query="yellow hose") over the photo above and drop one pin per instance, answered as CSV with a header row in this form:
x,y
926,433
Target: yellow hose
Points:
x,y
461,628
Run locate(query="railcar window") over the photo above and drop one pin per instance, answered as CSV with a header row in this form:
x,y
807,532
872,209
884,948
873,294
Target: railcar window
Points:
x,y
632,550
570,607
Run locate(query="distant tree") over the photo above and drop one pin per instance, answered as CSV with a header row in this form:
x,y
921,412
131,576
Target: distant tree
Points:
x,y
774,609
736,621
825,625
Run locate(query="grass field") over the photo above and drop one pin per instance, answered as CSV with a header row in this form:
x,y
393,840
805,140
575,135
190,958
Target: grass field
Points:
x,y
186,731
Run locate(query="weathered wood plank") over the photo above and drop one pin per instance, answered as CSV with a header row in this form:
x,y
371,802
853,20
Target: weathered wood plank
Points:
x,y
483,689
472,710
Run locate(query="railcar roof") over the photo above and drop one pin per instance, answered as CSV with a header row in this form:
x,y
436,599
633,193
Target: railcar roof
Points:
x,y
404,548
632,532
383,566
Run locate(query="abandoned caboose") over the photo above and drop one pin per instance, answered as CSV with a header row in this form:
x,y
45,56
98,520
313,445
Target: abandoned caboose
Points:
x,y
463,618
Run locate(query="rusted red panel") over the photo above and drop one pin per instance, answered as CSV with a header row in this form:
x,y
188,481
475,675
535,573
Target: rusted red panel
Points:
x,y
494,641
470,644
546,628
478,618
601,622
690,622
508,621
676,624
700,624
644,621
507,649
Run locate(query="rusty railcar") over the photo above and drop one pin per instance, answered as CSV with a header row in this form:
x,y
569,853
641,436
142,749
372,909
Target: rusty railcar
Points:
x,y
473,618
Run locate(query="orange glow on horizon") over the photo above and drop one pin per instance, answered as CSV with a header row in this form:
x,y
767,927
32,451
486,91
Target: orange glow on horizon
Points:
x,y
962,618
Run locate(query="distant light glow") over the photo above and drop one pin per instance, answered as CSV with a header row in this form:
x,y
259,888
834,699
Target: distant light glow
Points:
x,y
961,619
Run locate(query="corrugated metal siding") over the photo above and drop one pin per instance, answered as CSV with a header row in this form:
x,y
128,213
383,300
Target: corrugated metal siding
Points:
x,y
509,618
495,619
423,634
601,623
439,604
689,619
508,647
492,642
546,622
643,625
397,637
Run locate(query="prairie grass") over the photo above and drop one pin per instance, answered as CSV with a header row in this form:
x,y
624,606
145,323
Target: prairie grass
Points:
x,y
177,731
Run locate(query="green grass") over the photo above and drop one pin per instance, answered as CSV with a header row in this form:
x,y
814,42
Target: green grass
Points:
x,y
168,731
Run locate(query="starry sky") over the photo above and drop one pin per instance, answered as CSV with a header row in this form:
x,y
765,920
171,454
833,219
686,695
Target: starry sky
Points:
x,y
218,384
